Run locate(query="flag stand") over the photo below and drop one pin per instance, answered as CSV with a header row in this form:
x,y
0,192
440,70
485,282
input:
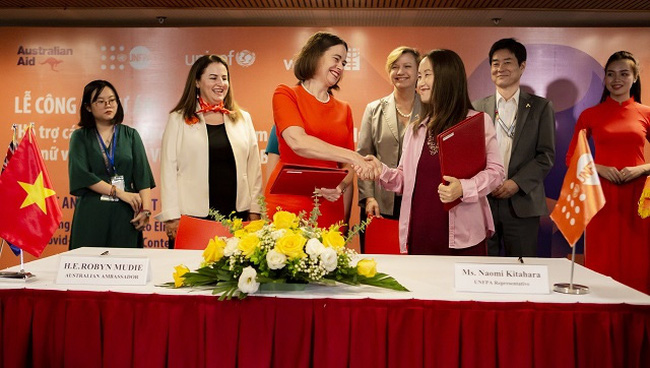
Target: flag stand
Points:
x,y
16,275
571,288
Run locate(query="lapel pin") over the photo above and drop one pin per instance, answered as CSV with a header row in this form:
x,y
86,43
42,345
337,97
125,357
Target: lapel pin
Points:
x,y
528,106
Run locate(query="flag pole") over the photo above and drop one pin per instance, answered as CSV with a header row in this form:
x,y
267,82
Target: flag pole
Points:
x,y
13,140
570,287
15,275
22,262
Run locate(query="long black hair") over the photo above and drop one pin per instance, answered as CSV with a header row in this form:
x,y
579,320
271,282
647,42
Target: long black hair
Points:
x,y
450,101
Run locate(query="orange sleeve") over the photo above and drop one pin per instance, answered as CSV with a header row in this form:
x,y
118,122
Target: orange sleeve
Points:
x,y
285,109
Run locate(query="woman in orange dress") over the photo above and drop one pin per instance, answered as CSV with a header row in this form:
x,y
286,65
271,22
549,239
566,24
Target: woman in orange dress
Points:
x,y
617,241
314,128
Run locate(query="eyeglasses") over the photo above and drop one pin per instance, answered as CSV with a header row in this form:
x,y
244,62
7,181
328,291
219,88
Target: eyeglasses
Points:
x,y
109,102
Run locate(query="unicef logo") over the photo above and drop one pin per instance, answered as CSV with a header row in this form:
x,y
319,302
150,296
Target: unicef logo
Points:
x,y
139,57
245,58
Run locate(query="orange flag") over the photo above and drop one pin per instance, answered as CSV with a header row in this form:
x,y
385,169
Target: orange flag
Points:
x,y
644,201
581,196
30,211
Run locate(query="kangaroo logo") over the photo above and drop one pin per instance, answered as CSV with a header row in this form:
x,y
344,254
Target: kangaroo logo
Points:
x,y
53,63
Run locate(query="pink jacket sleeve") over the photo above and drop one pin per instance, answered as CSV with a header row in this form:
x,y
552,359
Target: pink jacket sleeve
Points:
x,y
483,183
393,179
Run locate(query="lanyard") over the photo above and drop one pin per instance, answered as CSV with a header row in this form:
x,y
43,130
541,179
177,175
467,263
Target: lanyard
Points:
x,y
509,130
109,157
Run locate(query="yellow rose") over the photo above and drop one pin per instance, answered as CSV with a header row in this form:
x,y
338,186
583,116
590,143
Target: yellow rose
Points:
x,y
178,275
291,245
254,226
285,220
236,223
367,267
240,233
248,244
214,251
333,239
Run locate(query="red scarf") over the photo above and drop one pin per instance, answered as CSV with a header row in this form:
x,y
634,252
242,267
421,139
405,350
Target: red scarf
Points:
x,y
206,107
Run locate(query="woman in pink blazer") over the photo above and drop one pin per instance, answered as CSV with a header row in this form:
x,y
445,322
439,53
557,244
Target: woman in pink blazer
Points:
x,y
425,227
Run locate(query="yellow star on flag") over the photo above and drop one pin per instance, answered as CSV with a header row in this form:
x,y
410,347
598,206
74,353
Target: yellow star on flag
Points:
x,y
36,193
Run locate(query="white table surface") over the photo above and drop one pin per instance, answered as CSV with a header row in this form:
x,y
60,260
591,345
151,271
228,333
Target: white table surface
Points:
x,y
427,278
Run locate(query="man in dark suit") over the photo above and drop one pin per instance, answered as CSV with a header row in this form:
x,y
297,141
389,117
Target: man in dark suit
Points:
x,y
525,126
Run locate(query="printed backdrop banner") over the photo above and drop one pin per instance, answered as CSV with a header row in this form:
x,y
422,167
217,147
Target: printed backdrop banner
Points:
x,y
45,70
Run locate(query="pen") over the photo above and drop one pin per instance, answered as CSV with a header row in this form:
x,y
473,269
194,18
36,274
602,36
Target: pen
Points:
x,y
105,253
521,260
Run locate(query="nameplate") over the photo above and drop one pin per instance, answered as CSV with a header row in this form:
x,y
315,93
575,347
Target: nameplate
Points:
x,y
103,270
502,278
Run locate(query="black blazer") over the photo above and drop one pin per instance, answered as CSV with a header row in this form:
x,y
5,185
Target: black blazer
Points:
x,y
533,151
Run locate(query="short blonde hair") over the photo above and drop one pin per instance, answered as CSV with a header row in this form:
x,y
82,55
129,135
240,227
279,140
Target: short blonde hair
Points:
x,y
398,52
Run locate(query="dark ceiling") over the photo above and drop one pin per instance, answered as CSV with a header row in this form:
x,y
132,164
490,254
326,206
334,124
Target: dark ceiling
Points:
x,y
386,13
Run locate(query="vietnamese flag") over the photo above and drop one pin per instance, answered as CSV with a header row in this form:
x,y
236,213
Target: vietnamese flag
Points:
x,y
581,196
30,211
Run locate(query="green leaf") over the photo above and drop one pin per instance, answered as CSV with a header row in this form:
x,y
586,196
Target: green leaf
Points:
x,y
227,290
282,286
170,284
382,280
356,229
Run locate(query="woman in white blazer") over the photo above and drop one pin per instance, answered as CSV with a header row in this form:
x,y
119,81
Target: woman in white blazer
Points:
x,y
210,156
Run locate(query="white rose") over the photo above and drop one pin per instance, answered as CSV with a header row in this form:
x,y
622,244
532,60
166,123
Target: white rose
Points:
x,y
277,234
314,248
247,281
275,260
231,246
329,259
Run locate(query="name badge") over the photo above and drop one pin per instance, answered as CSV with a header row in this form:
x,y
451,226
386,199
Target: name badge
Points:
x,y
501,278
103,270
118,181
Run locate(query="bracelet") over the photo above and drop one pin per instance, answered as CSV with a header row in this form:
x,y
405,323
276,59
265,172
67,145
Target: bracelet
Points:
x,y
146,213
343,189
113,191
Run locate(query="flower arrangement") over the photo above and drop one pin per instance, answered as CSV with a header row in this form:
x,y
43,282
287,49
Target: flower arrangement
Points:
x,y
285,253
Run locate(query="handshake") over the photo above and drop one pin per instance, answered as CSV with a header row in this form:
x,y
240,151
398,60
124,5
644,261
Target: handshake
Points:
x,y
367,167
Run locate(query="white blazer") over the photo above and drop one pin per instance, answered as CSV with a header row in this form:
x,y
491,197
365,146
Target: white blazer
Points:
x,y
184,166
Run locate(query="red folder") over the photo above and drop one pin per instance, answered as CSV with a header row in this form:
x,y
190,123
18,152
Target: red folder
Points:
x,y
303,180
382,236
462,150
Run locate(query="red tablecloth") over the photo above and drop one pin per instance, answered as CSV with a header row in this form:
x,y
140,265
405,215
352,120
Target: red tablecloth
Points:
x,y
91,329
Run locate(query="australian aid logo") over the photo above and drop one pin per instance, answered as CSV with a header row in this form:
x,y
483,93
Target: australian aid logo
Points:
x,y
49,57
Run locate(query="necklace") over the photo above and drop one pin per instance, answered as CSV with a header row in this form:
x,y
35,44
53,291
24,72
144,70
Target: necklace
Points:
x,y
432,144
316,97
406,116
